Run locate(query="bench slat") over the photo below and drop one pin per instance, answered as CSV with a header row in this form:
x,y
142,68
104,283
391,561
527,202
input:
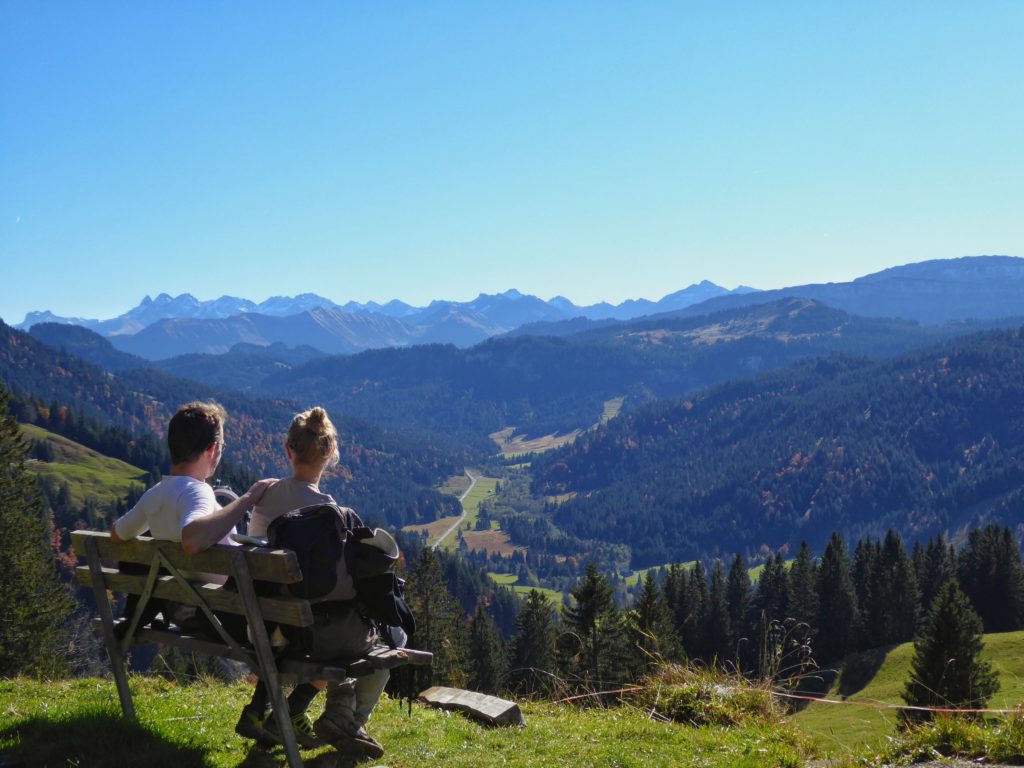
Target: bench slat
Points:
x,y
284,610
279,566
295,669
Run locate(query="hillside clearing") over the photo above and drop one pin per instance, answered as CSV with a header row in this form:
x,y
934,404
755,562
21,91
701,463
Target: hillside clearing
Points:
x,y
511,444
88,474
877,676
491,542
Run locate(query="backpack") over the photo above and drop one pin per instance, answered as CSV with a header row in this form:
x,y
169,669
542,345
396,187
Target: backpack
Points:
x,y
343,561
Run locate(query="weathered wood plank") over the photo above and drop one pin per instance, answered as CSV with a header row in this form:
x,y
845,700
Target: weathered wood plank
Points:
x,y
279,566
383,657
490,709
285,610
292,669
106,623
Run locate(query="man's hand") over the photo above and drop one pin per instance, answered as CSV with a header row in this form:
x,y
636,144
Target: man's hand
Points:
x,y
203,532
255,493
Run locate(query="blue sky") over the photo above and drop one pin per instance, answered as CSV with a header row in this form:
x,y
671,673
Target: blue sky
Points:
x,y
438,150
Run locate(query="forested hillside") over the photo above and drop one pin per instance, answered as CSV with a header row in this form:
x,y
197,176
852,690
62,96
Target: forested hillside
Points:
x,y
388,477
543,385
927,442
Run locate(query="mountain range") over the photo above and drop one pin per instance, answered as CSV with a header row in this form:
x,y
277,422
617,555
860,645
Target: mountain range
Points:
x,y
748,427
167,326
930,292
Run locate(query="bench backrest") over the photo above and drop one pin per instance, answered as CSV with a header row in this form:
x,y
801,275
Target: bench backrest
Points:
x,y
276,566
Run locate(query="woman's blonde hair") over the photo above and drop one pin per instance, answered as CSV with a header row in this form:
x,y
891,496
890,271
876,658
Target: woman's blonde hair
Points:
x,y
313,438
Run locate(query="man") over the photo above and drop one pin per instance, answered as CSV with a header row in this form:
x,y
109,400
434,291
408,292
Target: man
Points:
x,y
182,507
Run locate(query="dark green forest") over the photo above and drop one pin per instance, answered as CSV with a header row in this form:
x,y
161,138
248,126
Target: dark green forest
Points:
x,y
389,477
927,442
544,385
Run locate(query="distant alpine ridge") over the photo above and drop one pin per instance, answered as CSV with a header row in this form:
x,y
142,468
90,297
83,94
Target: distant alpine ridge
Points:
x,y
931,292
174,325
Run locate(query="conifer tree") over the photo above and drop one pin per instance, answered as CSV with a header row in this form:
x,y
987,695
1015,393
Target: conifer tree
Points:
x,y
947,670
440,628
802,588
717,627
694,640
598,625
893,608
937,566
532,652
864,558
33,604
992,577
837,603
770,596
769,608
675,590
486,654
739,598
652,632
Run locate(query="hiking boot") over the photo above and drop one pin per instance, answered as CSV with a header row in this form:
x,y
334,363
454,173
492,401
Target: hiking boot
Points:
x,y
250,726
303,726
347,736
359,743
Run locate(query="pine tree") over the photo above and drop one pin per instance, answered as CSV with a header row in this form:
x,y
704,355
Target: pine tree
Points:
x,y
694,640
652,632
802,588
532,652
440,628
486,654
769,608
893,610
947,670
770,596
837,603
717,627
937,566
864,558
33,604
603,655
675,591
992,576
739,600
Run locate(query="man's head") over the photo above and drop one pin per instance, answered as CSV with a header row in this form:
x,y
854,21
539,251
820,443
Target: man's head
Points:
x,y
193,430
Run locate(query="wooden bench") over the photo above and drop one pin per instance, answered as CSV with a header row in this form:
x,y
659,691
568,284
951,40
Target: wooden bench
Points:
x,y
167,562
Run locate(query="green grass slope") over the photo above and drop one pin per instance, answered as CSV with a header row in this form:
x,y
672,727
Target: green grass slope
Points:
x,y
78,722
877,677
88,474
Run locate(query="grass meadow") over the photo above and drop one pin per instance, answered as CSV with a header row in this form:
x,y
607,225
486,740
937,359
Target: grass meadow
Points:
x,y
877,677
88,474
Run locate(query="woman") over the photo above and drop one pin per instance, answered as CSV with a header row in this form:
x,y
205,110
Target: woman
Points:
x,y
312,447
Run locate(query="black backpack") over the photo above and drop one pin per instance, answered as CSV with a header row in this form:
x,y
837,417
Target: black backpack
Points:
x,y
341,562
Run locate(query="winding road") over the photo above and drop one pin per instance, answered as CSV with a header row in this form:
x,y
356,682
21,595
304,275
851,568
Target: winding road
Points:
x,y
458,522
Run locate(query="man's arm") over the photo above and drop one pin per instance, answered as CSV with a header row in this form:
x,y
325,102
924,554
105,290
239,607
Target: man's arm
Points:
x,y
133,522
201,533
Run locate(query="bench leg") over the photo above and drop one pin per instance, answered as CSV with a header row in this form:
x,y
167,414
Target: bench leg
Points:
x,y
117,659
265,656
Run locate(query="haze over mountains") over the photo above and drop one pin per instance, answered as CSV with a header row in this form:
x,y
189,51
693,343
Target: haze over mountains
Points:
x,y
932,292
167,326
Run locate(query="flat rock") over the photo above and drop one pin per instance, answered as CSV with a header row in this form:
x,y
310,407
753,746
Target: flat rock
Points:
x,y
490,709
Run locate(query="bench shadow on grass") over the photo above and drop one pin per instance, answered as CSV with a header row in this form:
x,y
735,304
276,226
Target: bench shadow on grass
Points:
x,y
275,758
92,740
